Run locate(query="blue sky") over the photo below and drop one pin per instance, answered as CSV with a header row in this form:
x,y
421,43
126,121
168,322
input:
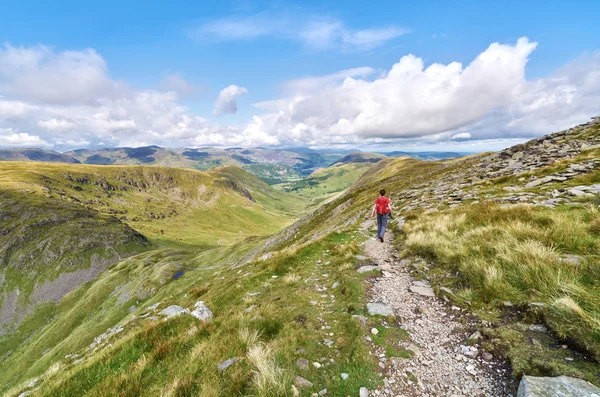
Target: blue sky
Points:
x,y
260,47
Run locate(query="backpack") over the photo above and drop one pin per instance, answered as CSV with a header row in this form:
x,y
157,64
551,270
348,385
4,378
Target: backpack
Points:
x,y
382,204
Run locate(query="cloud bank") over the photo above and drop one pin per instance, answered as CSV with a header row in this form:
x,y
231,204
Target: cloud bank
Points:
x,y
68,99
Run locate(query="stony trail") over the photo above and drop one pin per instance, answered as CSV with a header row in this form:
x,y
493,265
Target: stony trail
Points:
x,y
443,364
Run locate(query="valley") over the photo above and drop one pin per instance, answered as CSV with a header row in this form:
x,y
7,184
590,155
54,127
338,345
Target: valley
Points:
x,y
167,281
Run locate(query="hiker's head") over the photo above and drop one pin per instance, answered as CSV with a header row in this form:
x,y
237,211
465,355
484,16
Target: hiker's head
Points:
x,y
382,192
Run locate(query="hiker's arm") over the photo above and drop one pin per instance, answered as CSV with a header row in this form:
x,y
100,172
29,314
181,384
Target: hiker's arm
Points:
x,y
373,212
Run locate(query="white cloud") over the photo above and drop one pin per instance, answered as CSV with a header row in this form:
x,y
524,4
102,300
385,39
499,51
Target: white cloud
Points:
x,y
54,124
316,32
176,83
462,135
488,98
40,74
10,138
226,101
315,83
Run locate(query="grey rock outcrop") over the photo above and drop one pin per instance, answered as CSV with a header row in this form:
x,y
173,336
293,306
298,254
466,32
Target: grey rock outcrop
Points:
x,y
202,312
562,386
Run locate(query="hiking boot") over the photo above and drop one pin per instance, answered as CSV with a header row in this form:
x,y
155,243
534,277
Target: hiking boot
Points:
x,y
381,239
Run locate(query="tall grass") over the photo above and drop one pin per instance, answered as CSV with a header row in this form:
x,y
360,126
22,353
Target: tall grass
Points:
x,y
520,254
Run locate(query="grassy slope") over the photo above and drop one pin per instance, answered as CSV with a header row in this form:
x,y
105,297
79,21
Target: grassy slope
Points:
x,y
325,182
165,204
60,217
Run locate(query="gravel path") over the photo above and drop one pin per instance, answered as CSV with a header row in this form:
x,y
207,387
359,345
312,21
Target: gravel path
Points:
x,y
443,365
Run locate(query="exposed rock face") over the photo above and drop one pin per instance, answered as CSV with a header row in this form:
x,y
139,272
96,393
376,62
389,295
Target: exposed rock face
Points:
x,y
562,386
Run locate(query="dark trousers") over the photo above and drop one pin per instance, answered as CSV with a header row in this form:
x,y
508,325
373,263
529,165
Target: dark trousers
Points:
x,y
381,224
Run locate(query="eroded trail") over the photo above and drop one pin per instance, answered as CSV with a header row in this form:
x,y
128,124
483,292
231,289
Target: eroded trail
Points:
x,y
443,363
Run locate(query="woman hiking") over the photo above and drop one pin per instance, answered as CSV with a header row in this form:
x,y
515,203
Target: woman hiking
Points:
x,y
383,208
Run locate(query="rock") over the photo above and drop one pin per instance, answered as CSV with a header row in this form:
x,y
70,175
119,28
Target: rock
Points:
x,y
335,285
33,383
447,290
361,258
302,383
571,259
368,268
374,331
202,312
266,256
227,363
507,304
302,363
317,365
295,391
423,291
379,309
486,355
173,310
361,318
363,392
561,386
579,193
25,393
344,376
538,328
475,335
323,392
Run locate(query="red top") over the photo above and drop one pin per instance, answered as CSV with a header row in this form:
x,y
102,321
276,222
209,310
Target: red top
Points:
x,y
382,204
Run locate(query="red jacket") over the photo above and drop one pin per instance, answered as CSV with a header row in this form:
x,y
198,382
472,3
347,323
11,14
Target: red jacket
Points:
x,y
382,205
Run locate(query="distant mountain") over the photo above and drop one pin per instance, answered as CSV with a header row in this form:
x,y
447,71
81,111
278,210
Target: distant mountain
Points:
x,y
36,155
426,155
270,165
360,157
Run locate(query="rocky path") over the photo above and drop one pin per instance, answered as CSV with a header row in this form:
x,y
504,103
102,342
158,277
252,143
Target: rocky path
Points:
x,y
443,364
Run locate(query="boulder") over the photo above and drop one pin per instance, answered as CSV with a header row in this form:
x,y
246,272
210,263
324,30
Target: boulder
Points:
x,y
368,268
202,312
421,290
173,310
562,386
227,363
302,383
379,309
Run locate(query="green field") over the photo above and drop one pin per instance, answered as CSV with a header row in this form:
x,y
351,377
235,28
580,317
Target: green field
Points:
x,y
326,182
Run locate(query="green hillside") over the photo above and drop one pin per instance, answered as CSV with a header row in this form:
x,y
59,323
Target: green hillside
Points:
x,y
509,239
207,208
325,182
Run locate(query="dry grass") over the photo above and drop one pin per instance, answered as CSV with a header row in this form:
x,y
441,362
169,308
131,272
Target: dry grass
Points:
x,y
269,379
516,254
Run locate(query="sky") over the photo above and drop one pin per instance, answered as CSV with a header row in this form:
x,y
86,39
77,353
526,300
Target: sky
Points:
x,y
463,76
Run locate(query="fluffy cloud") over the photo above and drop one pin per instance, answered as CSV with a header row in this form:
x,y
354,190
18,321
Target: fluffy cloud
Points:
x,y
226,101
11,138
39,74
489,98
316,32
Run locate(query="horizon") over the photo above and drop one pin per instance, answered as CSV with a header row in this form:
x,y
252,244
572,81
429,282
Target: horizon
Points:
x,y
465,77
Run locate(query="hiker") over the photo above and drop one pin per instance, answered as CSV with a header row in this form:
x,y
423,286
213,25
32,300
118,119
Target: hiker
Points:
x,y
383,208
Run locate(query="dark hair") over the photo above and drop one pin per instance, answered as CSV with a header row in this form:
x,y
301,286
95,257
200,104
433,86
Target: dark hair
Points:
x,y
382,192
